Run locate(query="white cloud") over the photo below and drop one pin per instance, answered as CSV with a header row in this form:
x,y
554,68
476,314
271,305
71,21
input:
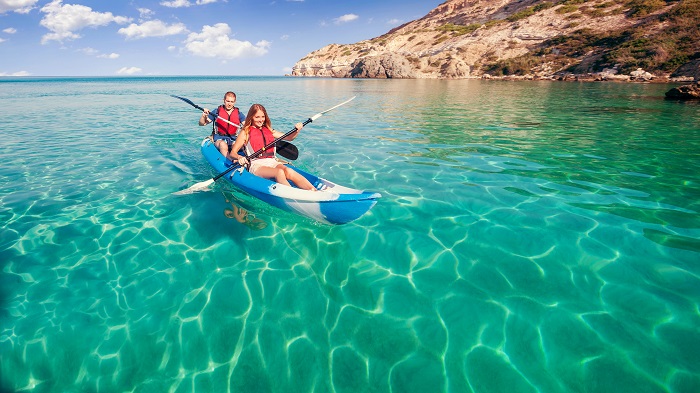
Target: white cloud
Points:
x,y
393,22
176,3
285,37
214,41
89,51
145,13
152,28
2,40
10,30
19,73
185,3
345,18
94,52
18,6
64,19
129,70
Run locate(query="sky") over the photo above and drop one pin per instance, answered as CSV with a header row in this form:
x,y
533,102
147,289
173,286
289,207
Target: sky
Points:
x,y
185,37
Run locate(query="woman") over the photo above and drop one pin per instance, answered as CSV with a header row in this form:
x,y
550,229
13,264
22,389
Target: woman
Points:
x,y
257,132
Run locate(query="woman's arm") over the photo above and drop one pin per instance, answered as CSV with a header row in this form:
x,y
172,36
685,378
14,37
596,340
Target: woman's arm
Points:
x,y
237,145
291,136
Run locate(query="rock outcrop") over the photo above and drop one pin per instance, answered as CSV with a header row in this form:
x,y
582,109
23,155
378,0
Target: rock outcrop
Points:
x,y
384,66
517,38
685,92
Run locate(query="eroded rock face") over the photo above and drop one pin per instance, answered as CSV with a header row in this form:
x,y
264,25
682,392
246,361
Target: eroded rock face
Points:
x,y
685,92
455,68
384,66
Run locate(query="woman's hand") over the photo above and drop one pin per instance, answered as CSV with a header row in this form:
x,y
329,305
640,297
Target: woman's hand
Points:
x,y
241,160
291,136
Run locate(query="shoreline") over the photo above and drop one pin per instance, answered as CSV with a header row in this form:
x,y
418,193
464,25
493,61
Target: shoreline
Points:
x,y
594,77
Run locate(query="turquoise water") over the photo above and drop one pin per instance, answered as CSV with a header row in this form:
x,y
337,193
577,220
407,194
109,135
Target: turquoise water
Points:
x,y
532,237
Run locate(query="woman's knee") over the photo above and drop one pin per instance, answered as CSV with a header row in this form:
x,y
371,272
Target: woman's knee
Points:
x,y
280,174
288,172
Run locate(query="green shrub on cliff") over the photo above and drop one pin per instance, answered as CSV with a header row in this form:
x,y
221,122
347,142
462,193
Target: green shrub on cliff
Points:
x,y
521,65
459,29
529,11
644,7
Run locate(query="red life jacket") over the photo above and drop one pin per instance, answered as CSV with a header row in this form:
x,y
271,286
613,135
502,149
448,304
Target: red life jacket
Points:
x,y
223,128
257,139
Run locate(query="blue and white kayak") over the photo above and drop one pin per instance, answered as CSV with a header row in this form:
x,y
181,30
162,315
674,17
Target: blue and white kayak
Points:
x,y
335,204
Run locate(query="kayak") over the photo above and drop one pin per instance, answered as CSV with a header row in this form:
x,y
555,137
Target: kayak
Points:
x,y
332,204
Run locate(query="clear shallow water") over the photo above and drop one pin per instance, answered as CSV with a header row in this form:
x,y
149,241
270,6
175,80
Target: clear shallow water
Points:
x,y
532,237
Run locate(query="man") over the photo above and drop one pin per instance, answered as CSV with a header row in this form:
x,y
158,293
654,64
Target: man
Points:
x,y
227,121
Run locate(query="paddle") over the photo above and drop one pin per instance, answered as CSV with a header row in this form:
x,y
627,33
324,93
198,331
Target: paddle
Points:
x,y
205,184
284,148
287,150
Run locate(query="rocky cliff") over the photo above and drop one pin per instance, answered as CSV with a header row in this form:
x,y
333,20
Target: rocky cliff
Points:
x,y
637,39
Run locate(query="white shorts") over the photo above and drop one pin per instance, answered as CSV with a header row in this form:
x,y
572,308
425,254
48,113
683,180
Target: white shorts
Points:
x,y
270,162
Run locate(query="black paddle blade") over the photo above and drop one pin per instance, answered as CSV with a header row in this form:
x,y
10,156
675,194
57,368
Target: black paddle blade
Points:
x,y
188,101
287,150
210,115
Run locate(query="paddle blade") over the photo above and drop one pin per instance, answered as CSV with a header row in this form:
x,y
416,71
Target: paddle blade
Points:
x,y
187,101
287,150
201,186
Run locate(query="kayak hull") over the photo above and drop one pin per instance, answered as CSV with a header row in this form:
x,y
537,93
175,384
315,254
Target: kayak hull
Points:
x,y
336,204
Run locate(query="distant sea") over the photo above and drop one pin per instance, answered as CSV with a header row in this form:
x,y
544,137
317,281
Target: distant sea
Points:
x,y
532,237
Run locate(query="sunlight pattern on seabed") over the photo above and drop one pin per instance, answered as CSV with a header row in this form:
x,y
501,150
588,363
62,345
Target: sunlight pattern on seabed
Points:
x,y
532,237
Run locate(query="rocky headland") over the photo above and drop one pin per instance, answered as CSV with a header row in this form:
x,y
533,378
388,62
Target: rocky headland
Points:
x,y
619,40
